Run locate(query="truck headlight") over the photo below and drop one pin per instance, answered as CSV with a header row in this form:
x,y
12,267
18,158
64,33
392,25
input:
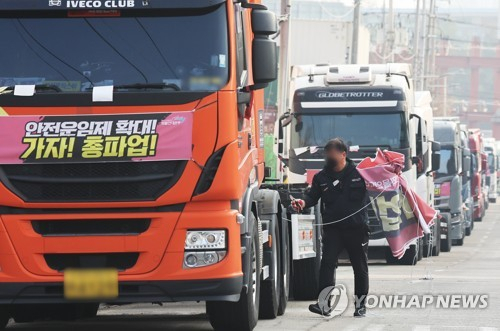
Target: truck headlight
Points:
x,y
206,239
204,248
202,259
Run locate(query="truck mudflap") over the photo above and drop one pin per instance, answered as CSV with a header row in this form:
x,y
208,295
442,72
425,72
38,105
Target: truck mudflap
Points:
x,y
227,289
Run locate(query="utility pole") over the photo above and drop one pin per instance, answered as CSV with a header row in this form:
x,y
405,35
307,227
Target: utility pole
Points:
x,y
429,45
284,67
423,49
384,33
416,45
355,31
391,34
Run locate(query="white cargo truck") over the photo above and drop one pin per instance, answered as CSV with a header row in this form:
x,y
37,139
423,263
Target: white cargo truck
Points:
x,y
369,107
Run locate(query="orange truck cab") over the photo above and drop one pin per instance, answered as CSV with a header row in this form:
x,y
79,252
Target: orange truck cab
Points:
x,y
131,159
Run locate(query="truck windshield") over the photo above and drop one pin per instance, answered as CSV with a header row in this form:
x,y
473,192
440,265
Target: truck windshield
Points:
x,y
179,48
491,162
448,164
365,130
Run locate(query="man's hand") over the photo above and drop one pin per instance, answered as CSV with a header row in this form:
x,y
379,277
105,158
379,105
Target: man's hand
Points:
x,y
298,204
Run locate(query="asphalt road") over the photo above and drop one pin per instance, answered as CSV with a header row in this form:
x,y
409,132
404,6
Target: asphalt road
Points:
x,y
473,268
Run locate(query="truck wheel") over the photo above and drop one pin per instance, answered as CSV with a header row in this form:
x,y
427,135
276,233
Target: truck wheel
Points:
x,y
244,314
410,257
446,242
468,231
285,268
436,246
479,219
459,242
270,288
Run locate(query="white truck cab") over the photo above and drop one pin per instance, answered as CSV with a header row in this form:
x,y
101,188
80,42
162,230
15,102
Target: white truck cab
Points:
x,y
368,106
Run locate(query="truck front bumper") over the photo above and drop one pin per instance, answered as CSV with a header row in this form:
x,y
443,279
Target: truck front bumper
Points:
x,y
228,289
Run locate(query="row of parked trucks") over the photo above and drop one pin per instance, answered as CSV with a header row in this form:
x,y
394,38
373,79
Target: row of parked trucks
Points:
x,y
76,232
452,167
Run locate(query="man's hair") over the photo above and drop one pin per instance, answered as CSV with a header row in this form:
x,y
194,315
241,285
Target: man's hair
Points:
x,y
337,144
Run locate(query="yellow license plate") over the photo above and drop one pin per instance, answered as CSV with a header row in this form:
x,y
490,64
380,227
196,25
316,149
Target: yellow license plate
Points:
x,y
437,191
90,283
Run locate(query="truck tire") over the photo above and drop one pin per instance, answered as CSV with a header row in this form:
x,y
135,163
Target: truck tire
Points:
x,y
446,242
285,267
270,288
410,257
468,231
459,242
244,314
436,245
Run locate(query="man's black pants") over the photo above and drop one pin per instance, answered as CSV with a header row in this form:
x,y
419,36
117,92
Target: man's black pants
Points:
x,y
355,242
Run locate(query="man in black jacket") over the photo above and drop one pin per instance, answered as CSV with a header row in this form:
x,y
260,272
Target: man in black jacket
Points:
x,y
344,200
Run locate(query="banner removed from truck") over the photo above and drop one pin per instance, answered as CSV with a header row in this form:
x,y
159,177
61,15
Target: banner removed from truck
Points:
x,y
404,216
96,138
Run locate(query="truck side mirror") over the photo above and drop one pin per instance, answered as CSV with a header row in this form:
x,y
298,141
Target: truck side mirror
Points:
x,y
466,160
436,155
484,162
436,146
436,160
264,49
283,121
466,164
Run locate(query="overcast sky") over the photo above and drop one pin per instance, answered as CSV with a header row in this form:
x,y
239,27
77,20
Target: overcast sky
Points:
x,y
459,4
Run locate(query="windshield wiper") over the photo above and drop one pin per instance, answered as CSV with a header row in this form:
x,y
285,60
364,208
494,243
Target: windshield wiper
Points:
x,y
157,86
38,87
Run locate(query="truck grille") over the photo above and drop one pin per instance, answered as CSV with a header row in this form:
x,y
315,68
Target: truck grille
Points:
x,y
80,182
119,261
91,227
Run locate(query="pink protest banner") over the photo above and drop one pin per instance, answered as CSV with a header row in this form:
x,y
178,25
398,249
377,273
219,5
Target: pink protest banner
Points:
x,y
404,216
96,138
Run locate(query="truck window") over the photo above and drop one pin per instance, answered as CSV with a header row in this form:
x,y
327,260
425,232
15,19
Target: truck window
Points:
x,y
188,48
366,130
448,164
491,162
241,58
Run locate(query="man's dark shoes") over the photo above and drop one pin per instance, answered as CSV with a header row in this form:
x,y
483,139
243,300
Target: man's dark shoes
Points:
x,y
360,312
315,308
